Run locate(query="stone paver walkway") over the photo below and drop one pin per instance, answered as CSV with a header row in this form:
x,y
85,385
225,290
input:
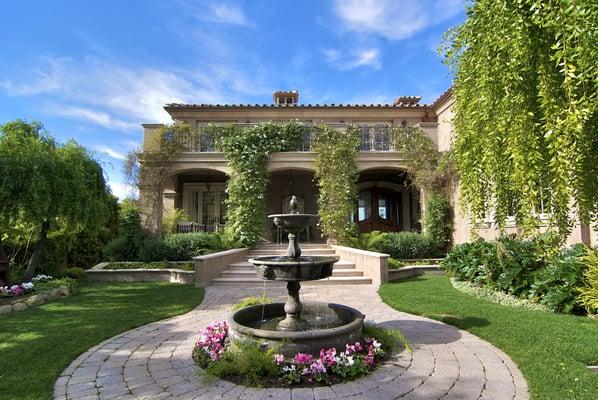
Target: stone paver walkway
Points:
x,y
154,361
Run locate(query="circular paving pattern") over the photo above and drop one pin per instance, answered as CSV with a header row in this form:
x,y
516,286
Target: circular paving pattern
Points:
x,y
154,361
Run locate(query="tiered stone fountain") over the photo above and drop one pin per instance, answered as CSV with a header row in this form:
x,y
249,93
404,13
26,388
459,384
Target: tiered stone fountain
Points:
x,y
294,326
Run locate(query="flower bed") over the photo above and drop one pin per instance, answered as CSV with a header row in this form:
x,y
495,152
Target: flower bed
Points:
x,y
42,288
254,365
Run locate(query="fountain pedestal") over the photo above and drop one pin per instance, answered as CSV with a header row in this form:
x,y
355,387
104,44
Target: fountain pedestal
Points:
x,y
292,308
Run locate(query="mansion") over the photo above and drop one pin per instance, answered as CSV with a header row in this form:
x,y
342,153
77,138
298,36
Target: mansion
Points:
x,y
386,202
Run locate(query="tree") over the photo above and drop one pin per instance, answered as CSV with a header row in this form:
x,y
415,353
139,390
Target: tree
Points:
x,y
45,186
526,117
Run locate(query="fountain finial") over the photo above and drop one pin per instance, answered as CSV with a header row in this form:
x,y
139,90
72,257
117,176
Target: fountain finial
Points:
x,y
293,204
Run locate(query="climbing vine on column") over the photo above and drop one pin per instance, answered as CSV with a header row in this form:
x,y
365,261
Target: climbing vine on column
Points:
x,y
336,176
247,151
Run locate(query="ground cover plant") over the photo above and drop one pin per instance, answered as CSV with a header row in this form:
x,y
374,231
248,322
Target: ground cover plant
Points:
x,y
252,364
186,266
552,350
38,284
37,344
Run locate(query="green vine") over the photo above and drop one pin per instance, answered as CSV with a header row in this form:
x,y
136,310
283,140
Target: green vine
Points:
x,y
526,111
148,167
247,151
336,174
428,169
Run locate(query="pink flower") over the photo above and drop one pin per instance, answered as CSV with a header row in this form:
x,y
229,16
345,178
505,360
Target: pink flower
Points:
x,y
303,359
353,348
327,356
279,359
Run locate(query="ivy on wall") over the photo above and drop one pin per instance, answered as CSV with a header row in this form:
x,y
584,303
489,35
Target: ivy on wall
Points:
x,y
247,151
526,111
148,167
336,174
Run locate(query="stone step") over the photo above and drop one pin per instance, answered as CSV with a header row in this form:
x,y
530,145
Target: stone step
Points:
x,y
280,252
258,283
246,265
250,273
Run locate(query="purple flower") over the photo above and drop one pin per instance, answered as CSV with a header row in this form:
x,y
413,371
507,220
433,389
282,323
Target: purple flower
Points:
x,y
212,339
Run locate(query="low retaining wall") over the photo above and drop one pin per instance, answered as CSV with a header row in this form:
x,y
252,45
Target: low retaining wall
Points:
x,y
415,270
35,300
141,275
210,266
374,265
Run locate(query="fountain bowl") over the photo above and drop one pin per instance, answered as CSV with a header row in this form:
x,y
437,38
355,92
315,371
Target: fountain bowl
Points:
x,y
285,268
335,326
293,223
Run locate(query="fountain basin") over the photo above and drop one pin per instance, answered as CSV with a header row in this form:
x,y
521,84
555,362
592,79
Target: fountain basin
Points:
x,y
335,326
284,268
294,223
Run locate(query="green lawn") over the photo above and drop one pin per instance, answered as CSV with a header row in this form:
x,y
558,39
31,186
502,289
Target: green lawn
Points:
x,y
36,345
551,350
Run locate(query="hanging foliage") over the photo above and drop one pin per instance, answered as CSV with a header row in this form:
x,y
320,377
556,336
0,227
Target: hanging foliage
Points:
x,y
526,87
247,151
336,175
429,170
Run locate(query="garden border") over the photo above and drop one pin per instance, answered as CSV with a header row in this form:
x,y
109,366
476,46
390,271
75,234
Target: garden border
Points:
x,y
172,275
415,270
36,299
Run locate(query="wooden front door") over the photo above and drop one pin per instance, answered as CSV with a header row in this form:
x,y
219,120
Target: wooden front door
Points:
x,y
379,210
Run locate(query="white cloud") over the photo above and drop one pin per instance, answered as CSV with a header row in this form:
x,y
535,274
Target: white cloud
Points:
x,y
122,191
110,152
95,117
394,19
229,14
369,57
121,97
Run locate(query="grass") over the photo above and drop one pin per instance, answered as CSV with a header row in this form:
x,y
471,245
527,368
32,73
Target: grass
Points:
x,y
186,266
37,344
552,350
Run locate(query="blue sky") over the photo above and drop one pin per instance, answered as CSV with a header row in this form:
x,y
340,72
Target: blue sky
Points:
x,y
95,70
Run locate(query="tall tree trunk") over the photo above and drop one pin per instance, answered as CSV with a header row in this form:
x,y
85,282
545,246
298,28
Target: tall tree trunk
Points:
x,y
4,273
38,249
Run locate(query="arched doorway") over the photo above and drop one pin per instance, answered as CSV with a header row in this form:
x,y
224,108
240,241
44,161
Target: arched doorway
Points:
x,y
284,184
386,202
201,193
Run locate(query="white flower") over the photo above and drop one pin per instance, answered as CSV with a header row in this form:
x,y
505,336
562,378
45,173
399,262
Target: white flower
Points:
x,y
27,285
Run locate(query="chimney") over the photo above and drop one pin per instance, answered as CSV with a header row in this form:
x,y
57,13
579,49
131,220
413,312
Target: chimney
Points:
x,y
285,98
407,100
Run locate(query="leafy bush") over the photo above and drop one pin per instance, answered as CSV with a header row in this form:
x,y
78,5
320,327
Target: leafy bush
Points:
x,y
154,250
471,261
439,224
248,360
556,286
55,284
118,250
172,218
130,235
588,293
252,301
75,273
403,245
185,246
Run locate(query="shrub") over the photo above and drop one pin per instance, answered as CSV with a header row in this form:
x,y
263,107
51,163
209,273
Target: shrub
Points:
x,y
403,245
556,286
130,235
367,241
55,284
118,250
471,261
185,246
172,218
588,293
438,224
75,273
154,250
248,360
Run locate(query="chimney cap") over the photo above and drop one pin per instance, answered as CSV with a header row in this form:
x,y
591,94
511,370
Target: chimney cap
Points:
x,y
412,100
285,97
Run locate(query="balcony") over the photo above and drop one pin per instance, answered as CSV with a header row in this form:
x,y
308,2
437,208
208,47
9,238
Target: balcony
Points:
x,y
372,138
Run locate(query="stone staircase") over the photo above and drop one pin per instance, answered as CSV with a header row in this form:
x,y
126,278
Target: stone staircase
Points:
x,y
243,274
